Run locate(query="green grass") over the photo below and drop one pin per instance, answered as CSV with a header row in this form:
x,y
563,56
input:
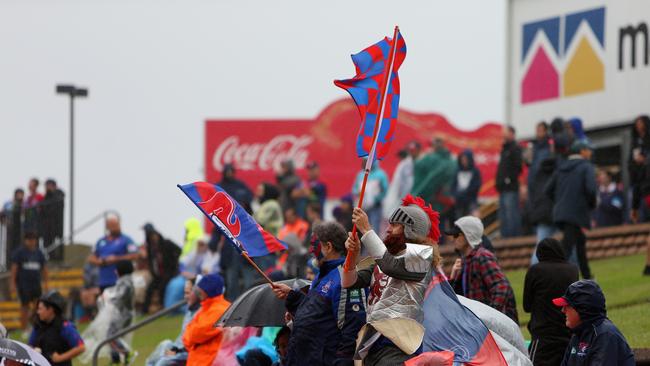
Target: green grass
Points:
x,y
626,290
147,338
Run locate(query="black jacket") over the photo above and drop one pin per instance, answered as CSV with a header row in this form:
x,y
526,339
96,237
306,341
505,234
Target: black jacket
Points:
x,y
573,191
544,282
540,206
49,339
509,167
162,257
596,341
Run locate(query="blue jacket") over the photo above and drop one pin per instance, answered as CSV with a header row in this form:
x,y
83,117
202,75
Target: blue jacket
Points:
x,y
326,320
573,191
598,343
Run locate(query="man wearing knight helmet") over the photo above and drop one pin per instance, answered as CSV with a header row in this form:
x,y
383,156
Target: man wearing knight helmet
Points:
x,y
398,279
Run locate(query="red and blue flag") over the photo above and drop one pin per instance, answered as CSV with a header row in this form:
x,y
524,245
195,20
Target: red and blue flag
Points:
x,y
231,219
365,89
450,327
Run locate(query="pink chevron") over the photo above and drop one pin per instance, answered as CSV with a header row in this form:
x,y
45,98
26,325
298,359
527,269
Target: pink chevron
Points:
x,y
542,81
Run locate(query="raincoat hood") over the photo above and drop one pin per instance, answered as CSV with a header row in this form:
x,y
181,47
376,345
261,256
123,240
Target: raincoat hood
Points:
x,y
193,232
588,300
470,159
550,250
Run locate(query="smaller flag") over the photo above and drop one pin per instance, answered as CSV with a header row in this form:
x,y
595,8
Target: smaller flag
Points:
x,y
365,89
451,327
231,219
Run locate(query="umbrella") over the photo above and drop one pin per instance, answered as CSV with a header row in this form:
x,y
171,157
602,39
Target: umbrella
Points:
x,y
20,352
258,307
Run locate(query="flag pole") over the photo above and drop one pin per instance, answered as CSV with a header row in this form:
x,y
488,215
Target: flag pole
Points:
x,y
350,259
259,270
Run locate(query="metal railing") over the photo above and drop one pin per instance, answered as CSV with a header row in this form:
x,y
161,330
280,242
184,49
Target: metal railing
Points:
x,y
135,326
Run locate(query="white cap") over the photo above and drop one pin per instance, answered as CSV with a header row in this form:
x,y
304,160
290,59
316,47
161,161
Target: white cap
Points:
x,y
472,228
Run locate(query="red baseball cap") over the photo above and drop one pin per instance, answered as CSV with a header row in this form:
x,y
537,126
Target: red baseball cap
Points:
x,y
560,301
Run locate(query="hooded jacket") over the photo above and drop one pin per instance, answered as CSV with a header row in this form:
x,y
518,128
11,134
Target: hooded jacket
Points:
x,y
469,194
596,341
573,190
544,282
201,338
193,232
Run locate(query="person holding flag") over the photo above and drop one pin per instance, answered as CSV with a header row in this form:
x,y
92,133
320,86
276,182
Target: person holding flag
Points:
x,y
327,319
404,260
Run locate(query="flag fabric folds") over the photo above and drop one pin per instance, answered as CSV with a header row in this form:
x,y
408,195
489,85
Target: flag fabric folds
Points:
x,y
365,89
231,219
451,327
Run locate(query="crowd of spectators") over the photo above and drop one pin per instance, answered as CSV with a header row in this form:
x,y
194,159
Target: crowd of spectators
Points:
x,y
562,191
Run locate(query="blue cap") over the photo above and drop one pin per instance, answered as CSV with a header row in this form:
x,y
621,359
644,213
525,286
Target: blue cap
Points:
x,y
212,284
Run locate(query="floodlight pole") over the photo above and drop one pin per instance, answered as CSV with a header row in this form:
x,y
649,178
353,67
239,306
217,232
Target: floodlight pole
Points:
x,y
73,92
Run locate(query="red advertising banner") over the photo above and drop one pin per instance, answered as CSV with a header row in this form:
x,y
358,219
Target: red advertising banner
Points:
x,y
257,147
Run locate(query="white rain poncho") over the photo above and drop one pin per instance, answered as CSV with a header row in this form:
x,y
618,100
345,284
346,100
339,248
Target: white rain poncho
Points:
x,y
116,311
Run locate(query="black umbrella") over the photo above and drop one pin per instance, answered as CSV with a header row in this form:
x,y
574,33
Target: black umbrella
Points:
x,y
258,307
20,352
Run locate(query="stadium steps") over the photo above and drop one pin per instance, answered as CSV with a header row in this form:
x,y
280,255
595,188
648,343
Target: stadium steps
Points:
x,y
615,241
63,280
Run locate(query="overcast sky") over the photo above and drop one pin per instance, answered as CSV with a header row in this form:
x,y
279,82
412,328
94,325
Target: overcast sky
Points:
x,y
157,69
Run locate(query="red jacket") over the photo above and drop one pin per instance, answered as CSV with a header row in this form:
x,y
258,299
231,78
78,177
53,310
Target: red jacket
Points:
x,y
201,339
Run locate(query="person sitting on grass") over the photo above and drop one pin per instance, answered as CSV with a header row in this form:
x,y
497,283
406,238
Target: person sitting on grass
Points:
x,y
596,340
170,353
54,337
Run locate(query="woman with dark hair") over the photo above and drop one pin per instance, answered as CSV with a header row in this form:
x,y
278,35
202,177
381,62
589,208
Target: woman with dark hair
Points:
x,y
281,344
56,338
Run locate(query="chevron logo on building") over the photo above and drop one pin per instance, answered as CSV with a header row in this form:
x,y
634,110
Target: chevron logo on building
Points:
x,y
563,56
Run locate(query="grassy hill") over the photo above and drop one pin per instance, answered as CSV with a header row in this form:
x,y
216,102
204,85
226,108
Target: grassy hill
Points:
x,y
626,290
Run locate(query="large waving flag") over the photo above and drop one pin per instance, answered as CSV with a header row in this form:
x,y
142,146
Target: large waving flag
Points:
x,y
365,88
235,223
450,328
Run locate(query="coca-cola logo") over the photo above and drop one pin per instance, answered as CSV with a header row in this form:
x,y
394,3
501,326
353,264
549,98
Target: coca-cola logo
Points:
x,y
262,155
